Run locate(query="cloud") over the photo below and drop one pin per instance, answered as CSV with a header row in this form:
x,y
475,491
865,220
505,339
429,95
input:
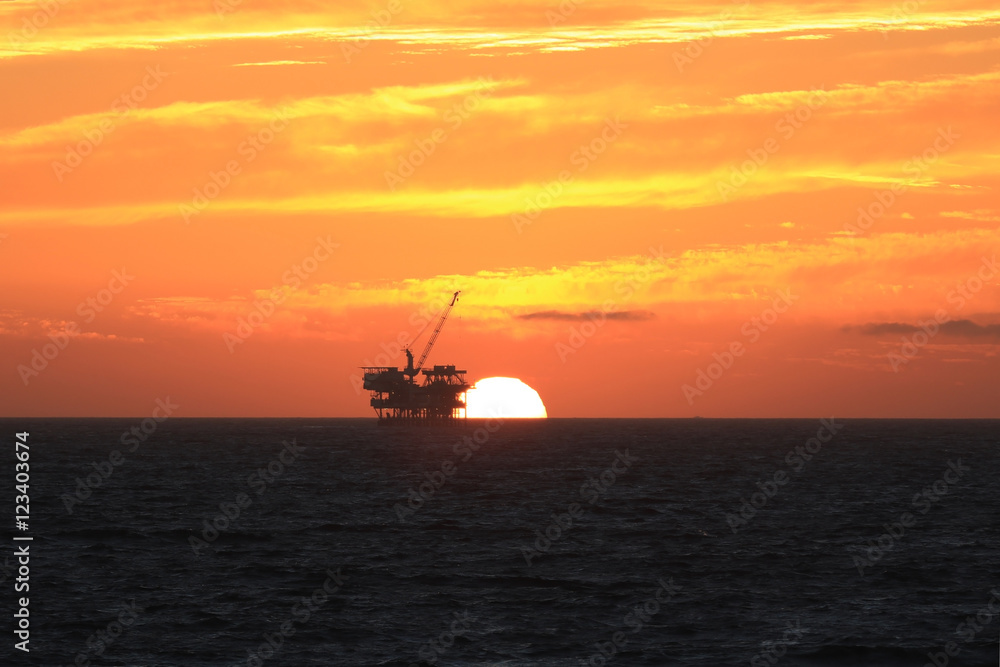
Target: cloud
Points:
x,y
675,152
965,328
465,25
620,316
739,280
274,63
979,215
882,328
970,329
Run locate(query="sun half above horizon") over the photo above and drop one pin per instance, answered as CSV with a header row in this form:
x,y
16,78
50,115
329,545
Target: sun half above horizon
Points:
x,y
504,397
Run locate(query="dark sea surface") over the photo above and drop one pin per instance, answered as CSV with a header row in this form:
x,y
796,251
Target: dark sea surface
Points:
x,y
460,577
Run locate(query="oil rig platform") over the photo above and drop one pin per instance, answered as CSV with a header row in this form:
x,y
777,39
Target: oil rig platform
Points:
x,y
398,398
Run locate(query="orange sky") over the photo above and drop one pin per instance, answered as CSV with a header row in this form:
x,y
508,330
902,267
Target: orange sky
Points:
x,y
667,170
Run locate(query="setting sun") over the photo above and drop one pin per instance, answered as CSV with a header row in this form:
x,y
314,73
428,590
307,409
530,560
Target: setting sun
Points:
x,y
504,397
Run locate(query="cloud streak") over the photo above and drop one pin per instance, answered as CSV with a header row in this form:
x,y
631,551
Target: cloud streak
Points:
x,y
958,328
435,26
617,316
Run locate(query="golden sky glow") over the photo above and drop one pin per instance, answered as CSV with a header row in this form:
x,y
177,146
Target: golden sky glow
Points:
x,y
621,191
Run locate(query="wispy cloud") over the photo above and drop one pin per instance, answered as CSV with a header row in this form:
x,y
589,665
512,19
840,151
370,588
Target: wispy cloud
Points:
x,y
473,28
279,63
963,328
590,315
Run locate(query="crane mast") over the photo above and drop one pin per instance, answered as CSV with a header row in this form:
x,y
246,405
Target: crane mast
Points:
x,y
412,370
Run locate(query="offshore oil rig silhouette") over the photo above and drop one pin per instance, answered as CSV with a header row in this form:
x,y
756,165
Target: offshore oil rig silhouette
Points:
x,y
399,399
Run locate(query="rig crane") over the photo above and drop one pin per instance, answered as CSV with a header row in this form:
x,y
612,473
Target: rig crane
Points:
x,y
399,399
412,370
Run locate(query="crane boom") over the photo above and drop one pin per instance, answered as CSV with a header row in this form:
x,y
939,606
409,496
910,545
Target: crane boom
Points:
x,y
433,338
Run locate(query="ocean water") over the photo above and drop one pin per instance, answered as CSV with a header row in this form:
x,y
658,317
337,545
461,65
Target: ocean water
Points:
x,y
550,543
